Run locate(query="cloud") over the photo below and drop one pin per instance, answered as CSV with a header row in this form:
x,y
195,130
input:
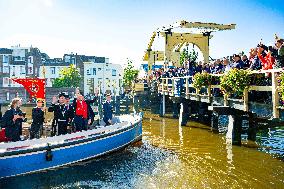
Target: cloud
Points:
x,y
48,3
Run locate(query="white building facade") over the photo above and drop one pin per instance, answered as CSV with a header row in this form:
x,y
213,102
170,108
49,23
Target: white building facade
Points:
x,y
103,77
51,72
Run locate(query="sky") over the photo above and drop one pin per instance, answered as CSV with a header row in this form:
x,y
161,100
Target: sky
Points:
x,y
121,29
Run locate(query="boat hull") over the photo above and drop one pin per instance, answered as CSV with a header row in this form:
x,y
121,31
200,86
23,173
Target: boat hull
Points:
x,y
85,149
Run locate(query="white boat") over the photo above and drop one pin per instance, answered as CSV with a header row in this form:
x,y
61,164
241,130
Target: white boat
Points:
x,y
28,156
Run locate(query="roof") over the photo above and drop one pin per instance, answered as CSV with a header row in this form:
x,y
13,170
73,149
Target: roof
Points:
x,y
21,62
5,51
56,64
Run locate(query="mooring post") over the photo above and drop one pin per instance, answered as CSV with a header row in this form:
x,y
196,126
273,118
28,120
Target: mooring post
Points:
x,y
184,112
252,128
175,108
237,130
161,102
275,95
214,121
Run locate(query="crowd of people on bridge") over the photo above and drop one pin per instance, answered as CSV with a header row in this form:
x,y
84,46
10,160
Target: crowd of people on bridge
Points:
x,y
67,117
261,57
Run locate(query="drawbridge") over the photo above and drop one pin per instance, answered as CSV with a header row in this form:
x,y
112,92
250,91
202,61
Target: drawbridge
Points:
x,y
178,34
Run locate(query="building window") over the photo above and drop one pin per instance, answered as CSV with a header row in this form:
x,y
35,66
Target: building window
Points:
x,y
52,70
13,70
22,70
5,59
88,72
5,69
6,81
113,72
30,59
30,70
94,71
99,69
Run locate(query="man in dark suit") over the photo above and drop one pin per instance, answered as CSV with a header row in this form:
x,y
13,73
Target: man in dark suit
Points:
x,y
107,107
69,111
60,121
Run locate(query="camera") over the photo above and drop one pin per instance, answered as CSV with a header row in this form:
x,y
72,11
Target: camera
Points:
x,y
22,114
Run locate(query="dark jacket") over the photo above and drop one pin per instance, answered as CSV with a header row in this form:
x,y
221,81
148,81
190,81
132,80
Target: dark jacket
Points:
x,y
12,129
107,111
59,111
256,64
37,115
239,64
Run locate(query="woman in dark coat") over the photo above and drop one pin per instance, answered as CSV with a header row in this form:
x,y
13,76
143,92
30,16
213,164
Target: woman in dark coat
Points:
x,y
12,120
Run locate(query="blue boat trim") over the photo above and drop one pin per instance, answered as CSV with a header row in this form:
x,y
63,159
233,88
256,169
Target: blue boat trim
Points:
x,y
50,153
138,138
84,140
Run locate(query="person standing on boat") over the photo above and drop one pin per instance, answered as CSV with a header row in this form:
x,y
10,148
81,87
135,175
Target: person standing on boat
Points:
x,y
83,113
69,111
38,119
107,107
12,120
60,116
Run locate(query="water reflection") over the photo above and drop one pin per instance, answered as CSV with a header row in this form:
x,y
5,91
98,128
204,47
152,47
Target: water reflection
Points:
x,y
171,156
208,160
271,140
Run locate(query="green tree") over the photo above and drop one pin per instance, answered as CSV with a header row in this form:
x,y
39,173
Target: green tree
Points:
x,y
129,74
188,55
69,77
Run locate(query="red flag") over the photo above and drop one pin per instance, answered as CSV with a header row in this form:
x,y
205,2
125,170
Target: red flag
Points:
x,y
35,87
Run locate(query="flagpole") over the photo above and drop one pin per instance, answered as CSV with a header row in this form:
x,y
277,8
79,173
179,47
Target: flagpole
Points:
x,y
43,71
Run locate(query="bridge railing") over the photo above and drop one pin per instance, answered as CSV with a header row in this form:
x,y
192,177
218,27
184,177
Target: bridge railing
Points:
x,y
176,86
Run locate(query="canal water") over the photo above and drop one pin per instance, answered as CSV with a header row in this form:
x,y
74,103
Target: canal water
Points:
x,y
171,156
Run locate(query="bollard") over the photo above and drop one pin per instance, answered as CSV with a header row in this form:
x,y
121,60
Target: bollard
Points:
x,y
184,113
237,130
175,110
252,128
214,121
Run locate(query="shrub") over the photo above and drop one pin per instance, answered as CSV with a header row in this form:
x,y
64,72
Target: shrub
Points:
x,y
201,79
235,82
